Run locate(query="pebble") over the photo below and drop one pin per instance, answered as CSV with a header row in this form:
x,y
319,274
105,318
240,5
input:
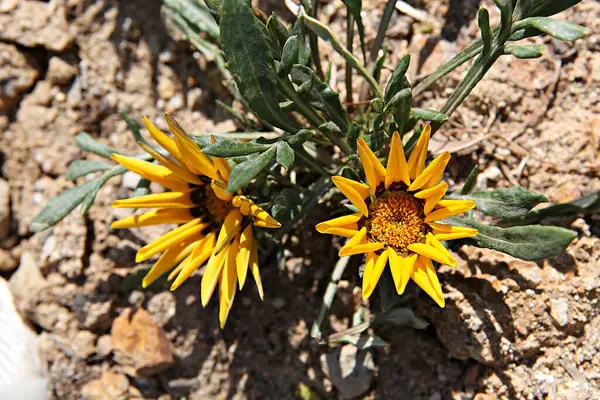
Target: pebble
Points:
x,y
110,385
7,261
559,311
350,370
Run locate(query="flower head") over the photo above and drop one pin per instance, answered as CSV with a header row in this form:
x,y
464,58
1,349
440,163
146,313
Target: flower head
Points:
x,y
215,225
397,223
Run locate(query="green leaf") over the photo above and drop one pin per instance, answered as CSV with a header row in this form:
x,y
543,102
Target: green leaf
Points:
x,y
484,27
244,172
350,173
60,206
559,29
289,55
319,95
278,29
285,154
394,84
529,243
403,109
303,50
377,105
399,97
362,341
91,195
542,8
506,203
400,316
88,143
133,127
330,128
214,6
301,136
287,205
250,60
355,7
428,115
142,188
229,148
79,168
197,13
525,52
376,140
589,204
470,182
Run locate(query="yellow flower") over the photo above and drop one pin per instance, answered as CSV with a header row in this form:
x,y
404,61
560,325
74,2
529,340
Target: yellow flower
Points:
x,y
397,218
216,226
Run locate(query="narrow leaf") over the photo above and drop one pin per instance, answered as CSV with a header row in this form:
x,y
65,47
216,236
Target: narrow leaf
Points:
x,y
559,29
589,204
319,95
428,115
289,55
529,243
250,60
228,148
542,8
506,203
79,168
91,195
355,7
484,27
525,52
470,182
244,172
362,341
285,154
401,316
88,143
197,13
394,84
133,127
301,136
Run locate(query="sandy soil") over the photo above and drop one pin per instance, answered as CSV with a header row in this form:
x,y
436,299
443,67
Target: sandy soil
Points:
x,y
511,329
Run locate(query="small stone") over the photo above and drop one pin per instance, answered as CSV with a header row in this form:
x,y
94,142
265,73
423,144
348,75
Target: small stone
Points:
x,y
93,314
162,307
103,346
130,180
559,311
279,303
7,261
136,298
110,385
4,207
350,370
60,72
17,76
28,279
138,341
166,88
42,94
84,344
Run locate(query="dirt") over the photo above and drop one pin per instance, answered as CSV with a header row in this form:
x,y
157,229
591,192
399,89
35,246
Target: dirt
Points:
x,y
511,329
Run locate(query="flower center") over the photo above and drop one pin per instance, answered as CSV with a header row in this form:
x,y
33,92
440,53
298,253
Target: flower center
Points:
x,y
209,205
396,219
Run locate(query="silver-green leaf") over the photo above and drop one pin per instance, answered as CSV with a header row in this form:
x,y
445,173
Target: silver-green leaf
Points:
x,y
285,154
244,172
506,203
79,168
229,148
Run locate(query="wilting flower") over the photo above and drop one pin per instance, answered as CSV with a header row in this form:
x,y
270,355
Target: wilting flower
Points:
x,y
215,225
398,218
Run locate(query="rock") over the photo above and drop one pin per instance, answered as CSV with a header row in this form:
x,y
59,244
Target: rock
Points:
x,y
559,311
52,317
84,344
130,180
139,342
60,72
37,23
4,209
350,370
17,76
162,307
93,314
41,95
27,280
7,261
110,385
103,346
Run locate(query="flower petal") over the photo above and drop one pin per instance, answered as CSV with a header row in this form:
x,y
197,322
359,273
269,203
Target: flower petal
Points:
x,y
181,172
449,208
370,260
182,233
157,200
402,268
171,257
201,253
397,168
364,248
360,237
211,276
416,161
261,218
253,265
220,189
193,157
227,286
432,196
154,217
424,275
230,228
380,263
163,140
433,170
431,240
451,232
374,170
153,172
429,251
345,225
243,256
354,191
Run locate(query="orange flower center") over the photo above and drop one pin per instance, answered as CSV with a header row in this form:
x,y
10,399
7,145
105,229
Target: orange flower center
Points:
x,y
396,219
